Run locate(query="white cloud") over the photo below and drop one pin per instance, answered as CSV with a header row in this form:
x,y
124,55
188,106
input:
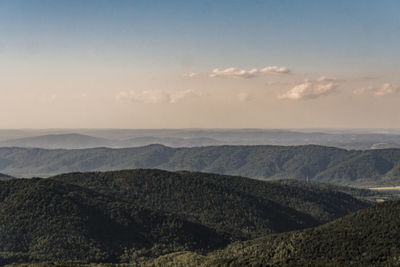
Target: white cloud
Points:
x,y
252,73
190,74
384,89
177,96
361,91
275,69
387,89
243,96
234,73
155,96
327,79
309,90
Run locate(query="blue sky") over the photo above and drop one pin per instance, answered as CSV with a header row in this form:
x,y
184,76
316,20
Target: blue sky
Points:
x,y
313,34
155,42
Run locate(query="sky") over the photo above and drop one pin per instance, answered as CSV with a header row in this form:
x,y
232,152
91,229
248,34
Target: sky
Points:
x,y
200,64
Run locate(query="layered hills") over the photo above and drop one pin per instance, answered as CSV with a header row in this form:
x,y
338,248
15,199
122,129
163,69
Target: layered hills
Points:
x,y
86,138
311,162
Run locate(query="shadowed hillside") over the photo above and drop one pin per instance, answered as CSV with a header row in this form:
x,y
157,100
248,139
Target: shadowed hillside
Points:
x,y
238,207
128,216
43,219
369,237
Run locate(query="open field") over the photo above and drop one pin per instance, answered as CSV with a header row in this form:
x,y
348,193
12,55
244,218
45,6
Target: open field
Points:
x,y
386,188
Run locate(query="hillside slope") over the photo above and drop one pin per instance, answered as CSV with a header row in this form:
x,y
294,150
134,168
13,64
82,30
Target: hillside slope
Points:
x,y
44,220
236,207
131,216
368,237
324,164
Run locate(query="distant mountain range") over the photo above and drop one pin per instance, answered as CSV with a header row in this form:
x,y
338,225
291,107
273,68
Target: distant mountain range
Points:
x,y
317,163
131,216
77,139
71,141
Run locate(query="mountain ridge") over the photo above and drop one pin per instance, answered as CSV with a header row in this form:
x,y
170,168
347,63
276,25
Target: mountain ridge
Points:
x,y
54,141
368,168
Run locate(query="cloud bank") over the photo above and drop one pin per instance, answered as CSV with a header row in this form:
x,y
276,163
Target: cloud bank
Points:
x,y
190,74
252,73
156,96
384,89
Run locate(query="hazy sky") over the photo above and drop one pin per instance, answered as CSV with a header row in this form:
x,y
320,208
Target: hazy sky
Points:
x,y
173,64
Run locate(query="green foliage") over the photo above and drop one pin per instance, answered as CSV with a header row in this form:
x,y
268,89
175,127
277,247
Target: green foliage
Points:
x,y
45,220
134,215
317,163
236,207
369,237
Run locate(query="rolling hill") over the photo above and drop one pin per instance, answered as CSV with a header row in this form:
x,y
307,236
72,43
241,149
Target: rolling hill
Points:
x,y
43,219
369,237
316,163
131,216
168,141
236,207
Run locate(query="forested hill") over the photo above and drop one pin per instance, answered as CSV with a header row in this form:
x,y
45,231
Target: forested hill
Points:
x,y
369,237
48,220
127,216
5,176
326,164
235,206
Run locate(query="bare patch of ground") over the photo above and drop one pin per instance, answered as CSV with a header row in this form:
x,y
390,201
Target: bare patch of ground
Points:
x,y
386,188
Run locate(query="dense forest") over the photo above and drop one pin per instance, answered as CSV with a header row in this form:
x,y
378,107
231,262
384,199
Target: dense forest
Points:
x,y
44,219
369,237
133,216
235,206
316,163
